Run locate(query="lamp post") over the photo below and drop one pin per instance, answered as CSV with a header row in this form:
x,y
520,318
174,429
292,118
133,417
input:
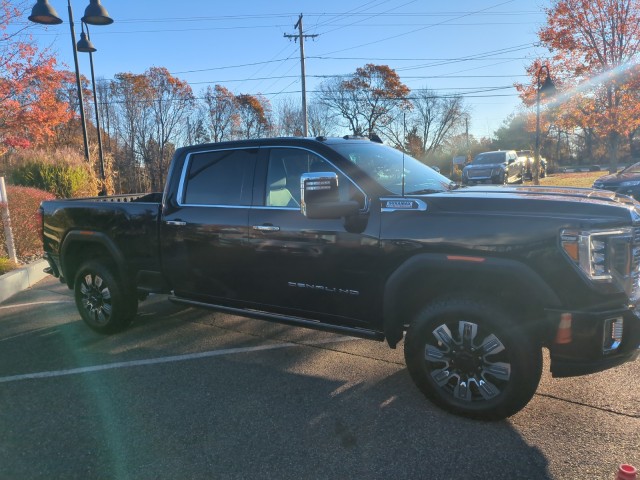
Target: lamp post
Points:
x,y
85,45
548,88
95,14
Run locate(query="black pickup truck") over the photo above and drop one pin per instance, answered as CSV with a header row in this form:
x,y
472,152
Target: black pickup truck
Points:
x,y
348,235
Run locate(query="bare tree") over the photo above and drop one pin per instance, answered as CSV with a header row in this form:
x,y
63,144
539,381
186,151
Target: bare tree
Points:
x,y
320,120
426,124
222,113
290,118
171,103
435,118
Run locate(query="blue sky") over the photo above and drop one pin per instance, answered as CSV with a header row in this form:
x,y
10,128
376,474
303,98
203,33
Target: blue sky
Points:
x,y
475,48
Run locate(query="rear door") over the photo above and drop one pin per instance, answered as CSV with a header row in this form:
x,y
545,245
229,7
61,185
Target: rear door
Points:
x,y
204,234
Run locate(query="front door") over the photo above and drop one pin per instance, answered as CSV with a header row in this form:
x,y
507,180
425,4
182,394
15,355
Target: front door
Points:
x,y
315,268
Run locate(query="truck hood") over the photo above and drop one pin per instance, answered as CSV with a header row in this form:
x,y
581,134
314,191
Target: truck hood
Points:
x,y
616,179
546,193
535,201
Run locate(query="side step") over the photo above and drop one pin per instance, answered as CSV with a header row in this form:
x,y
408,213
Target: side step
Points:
x,y
285,319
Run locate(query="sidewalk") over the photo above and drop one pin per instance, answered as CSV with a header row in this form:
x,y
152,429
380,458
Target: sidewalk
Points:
x,y
21,278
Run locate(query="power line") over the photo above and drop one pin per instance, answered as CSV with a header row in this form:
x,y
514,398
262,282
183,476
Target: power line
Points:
x,y
473,94
419,29
369,17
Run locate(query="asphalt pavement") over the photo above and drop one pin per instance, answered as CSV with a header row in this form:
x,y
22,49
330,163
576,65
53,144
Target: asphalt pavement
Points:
x,y
186,393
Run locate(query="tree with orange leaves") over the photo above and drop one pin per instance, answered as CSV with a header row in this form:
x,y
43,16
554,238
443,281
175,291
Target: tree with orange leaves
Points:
x,y
30,83
595,53
368,100
254,112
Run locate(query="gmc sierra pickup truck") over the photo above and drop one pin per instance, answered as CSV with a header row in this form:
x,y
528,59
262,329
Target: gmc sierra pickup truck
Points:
x,y
352,236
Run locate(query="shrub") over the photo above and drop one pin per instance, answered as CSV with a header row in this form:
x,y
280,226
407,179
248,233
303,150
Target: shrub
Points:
x,y
61,172
64,181
6,265
23,211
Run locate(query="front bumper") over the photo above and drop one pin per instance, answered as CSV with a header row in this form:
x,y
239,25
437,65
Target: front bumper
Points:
x,y
476,180
585,347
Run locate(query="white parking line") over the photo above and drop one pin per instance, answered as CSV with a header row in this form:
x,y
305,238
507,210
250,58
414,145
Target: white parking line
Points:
x,y
157,361
20,305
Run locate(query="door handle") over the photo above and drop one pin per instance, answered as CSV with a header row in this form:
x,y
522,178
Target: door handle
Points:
x,y
175,222
266,228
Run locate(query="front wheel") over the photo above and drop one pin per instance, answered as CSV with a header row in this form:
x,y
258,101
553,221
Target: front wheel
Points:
x,y
101,300
470,358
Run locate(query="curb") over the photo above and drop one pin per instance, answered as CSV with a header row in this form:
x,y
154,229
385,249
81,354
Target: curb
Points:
x,y
21,278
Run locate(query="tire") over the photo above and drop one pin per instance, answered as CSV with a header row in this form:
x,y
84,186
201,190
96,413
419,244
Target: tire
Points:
x,y
469,358
101,299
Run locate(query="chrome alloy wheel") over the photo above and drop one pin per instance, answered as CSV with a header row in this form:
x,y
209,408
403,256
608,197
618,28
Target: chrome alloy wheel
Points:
x,y
96,298
467,368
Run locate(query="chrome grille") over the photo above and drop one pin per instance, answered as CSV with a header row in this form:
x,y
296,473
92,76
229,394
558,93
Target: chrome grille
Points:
x,y
634,293
480,173
624,252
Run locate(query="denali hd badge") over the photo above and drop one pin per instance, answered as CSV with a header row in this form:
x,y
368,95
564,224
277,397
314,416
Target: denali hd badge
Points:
x,y
310,286
395,204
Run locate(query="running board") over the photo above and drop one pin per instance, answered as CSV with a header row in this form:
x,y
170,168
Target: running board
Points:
x,y
285,319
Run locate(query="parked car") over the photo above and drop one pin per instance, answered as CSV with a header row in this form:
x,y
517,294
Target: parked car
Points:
x,y
501,166
626,181
529,157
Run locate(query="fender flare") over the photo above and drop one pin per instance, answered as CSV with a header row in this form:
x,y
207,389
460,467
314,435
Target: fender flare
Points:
x,y
84,237
523,276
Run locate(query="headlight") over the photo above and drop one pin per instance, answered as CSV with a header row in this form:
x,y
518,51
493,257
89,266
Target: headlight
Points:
x,y
496,171
633,183
606,256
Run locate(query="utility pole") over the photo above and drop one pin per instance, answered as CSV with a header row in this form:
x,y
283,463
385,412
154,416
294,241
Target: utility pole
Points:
x,y
466,127
301,36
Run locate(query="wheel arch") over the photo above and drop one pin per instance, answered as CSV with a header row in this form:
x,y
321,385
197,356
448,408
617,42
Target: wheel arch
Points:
x,y
425,277
81,245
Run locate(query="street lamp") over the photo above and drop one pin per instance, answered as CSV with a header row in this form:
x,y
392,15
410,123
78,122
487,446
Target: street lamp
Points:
x,y
85,45
95,14
549,89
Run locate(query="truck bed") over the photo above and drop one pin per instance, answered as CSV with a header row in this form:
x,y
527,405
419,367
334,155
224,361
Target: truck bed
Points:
x,y
130,221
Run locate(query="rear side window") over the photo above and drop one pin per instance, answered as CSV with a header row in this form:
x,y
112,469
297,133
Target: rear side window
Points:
x,y
222,177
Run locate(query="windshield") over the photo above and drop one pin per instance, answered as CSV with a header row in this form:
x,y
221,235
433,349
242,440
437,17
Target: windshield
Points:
x,y
489,158
635,168
384,164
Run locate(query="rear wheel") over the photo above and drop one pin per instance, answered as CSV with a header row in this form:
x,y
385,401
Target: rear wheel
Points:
x,y
469,358
101,300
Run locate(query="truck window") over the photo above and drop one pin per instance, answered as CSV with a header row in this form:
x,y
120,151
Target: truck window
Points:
x,y
222,177
286,165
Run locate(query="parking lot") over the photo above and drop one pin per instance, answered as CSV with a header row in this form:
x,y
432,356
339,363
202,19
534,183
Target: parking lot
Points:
x,y
186,393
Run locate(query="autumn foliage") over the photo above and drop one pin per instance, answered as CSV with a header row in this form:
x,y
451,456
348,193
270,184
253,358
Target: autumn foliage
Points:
x,y
30,82
594,50
23,207
368,100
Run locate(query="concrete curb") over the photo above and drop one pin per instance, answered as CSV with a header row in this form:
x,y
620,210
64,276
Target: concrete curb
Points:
x,y
21,278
